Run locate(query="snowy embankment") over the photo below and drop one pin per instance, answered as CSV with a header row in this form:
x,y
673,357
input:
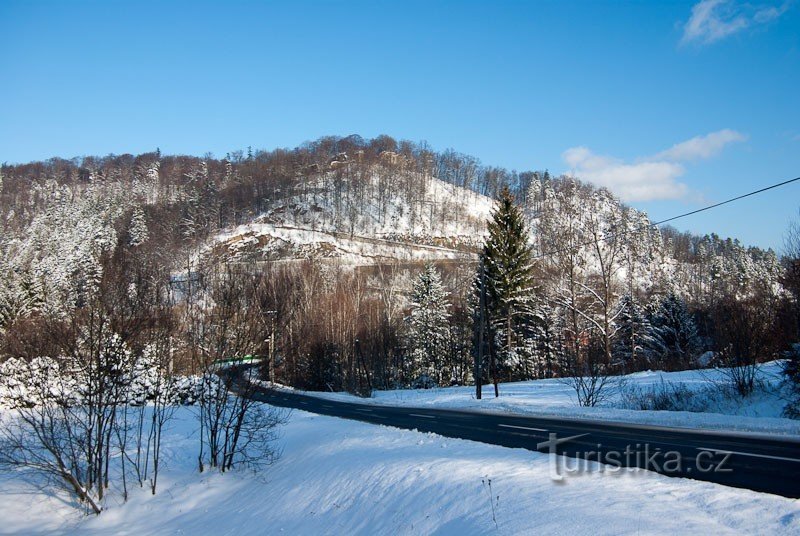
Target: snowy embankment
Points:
x,y
345,477
713,405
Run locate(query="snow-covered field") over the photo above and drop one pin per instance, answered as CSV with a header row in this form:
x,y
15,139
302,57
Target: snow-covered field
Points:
x,y
344,477
760,412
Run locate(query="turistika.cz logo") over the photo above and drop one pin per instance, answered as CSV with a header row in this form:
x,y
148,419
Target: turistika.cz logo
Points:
x,y
641,455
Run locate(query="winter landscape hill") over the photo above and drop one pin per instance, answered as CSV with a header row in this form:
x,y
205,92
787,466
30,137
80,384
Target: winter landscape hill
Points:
x,y
376,203
383,206
365,224
582,319
370,268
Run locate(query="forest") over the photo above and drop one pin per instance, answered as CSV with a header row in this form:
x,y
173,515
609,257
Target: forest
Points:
x,y
128,248
131,283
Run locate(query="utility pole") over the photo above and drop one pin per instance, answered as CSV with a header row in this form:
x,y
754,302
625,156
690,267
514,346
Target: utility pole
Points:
x,y
271,357
363,362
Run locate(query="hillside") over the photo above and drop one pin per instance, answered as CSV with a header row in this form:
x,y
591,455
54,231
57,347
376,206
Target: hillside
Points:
x,y
363,224
121,232
129,278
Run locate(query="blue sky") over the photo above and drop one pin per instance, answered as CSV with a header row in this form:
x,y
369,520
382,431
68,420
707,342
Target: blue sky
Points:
x,y
671,105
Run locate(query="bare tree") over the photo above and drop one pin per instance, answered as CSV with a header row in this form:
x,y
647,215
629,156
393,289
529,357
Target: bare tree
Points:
x,y
791,279
588,373
50,435
235,429
69,428
745,334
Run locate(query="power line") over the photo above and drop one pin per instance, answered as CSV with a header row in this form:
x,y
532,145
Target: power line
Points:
x,y
731,200
673,218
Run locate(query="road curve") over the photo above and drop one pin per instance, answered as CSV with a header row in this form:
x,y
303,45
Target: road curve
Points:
x,y
764,463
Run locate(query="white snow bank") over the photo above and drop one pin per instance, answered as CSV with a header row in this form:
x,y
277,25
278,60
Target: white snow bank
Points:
x,y
344,477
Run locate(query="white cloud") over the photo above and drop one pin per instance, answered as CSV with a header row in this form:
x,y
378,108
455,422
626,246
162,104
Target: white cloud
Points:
x,y
702,146
649,178
643,181
768,14
712,20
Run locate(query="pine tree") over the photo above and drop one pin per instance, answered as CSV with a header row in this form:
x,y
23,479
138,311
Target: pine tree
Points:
x,y
634,338
509,284
549,345
675,341
429,326
137,232
145,381
535,352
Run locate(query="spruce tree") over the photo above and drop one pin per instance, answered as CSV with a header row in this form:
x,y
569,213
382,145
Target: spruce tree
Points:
x,y
675,340
509,282
533,354
633,342
137,230
429,327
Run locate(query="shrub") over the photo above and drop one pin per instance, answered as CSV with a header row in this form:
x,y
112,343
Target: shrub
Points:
x,y
791,371
664,396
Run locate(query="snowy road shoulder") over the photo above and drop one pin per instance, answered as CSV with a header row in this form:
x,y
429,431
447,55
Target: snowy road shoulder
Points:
x,y
760,413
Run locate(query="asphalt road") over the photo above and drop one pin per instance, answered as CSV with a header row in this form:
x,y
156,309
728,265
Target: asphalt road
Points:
x,y
758,462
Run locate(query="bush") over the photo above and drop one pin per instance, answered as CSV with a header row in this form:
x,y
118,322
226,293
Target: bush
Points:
x,y
664,396
424,381
791,370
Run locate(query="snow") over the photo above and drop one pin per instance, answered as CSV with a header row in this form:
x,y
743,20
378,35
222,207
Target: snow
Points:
x,y
443,222
345,477
266,241
760,412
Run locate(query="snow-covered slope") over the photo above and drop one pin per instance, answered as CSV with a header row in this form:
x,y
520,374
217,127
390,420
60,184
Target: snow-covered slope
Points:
x,y
275,242
344,477
364,223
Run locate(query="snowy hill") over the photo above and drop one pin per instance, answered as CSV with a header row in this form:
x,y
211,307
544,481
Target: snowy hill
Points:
x,y
366,221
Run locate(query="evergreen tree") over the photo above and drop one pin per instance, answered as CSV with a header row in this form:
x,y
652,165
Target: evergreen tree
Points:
x,y
791,371
429,327
137,231
145,380
633,343
550,343
535,353
509,283
675,341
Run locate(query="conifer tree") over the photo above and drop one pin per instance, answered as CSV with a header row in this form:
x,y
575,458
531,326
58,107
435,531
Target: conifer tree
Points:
x,y
509,283
634,337
675,340
429,326
137,231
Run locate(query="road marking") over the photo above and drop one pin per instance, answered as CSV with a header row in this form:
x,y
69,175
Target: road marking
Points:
x,y
367,410
326,406
719,451
420,415
553,442
522,427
